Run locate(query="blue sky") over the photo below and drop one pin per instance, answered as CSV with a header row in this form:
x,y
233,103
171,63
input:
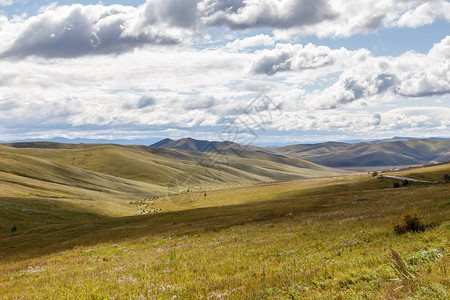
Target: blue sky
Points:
x,y
333,69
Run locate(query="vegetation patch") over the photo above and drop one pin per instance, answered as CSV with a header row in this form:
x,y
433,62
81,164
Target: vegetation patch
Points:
x,y
412,222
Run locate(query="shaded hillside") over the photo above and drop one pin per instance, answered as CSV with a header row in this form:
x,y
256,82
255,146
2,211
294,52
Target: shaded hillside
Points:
x,y
391,153
190,144
398,151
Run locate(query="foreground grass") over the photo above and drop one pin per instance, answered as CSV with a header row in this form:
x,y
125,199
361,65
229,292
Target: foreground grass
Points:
x,y
317,242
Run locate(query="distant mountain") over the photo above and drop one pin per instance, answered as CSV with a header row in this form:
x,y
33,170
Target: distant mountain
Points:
x,y
387,153
89,141
400,138
398,151
190,144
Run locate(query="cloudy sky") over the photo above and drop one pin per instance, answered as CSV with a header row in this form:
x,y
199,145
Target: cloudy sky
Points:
x,y
323,69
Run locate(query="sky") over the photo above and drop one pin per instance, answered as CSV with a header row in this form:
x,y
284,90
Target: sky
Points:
x,y
250,71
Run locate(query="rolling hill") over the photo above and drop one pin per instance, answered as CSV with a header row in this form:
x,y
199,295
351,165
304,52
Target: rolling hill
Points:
x,y
395,152
110,176
321,238
389,153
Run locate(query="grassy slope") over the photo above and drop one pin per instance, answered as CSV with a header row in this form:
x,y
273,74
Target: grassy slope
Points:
x,y
159,166
29,177
103,179
319,238
410,152
431,173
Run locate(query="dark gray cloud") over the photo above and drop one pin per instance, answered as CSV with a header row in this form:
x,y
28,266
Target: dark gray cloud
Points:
x,y
275,14
145,101
272,64
367,87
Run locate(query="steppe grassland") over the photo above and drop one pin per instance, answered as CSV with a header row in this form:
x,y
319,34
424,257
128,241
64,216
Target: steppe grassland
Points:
x,y
334,242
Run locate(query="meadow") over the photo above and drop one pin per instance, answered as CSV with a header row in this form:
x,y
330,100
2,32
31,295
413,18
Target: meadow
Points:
x,y
322,238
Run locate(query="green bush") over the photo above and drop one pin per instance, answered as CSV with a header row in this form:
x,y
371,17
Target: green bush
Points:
x,y
410,222
396,184
447,177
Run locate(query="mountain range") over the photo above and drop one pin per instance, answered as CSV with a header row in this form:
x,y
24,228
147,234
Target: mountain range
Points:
x,y
391,152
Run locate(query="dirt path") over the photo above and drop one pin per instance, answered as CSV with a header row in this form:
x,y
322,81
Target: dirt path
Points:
x,y
409,179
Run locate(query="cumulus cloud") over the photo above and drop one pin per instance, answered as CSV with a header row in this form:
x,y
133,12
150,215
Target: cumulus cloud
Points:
x,y
77,30
275,14
288,57
362,16
425,13
362,75
172,12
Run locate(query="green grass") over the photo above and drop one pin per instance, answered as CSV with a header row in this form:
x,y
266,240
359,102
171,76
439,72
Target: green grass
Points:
x,y
432,173
328,238
159,166
104,179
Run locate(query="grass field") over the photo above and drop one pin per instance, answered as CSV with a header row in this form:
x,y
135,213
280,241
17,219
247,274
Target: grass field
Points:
x,y
324,238
103,179
430,173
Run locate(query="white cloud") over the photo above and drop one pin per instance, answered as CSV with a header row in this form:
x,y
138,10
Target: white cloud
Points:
x,y
363,76
151,89
77,30
251,41
425,13
362,16
288,57
6,2
409,121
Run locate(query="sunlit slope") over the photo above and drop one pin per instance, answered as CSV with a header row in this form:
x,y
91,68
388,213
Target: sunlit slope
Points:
x,y
26,176
160,166
316,239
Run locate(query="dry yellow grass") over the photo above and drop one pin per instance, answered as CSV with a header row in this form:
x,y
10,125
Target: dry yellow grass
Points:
x,y
309,239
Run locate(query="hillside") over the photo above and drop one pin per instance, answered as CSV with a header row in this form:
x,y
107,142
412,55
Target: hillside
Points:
x,y
113,175
190,144
392,152
320,238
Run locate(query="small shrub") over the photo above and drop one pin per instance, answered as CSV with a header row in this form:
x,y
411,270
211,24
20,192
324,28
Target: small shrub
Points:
x,y
396,184
13,229
410,222
405,182
375,174
447,177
